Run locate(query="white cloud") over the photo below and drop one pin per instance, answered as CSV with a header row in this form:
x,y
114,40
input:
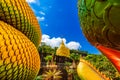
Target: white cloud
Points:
x,y
31,1
44,37
41,18
41,12
73,45
55,42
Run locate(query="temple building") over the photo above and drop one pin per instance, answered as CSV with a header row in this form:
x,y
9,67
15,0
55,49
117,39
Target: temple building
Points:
x,y
63,50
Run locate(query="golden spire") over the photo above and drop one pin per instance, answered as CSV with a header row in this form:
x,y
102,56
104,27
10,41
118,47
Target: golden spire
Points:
x,y
63,50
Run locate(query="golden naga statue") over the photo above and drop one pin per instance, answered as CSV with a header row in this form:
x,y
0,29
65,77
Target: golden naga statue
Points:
x,y
86,71
20,36
100,22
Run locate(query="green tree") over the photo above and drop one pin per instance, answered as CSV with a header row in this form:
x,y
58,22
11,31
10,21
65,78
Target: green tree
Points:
x,y
45,50
48,58
75,57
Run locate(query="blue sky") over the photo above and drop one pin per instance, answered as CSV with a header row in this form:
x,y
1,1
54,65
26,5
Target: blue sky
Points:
x,y
59,20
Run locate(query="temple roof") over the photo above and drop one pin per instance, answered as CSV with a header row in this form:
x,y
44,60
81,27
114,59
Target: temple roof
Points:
x,y
63,50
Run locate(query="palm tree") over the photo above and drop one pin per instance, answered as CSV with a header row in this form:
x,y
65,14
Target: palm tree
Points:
x,y
45,50
48,59
75,57
53,53
52,74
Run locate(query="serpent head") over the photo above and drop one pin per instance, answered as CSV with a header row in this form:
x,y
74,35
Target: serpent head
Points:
x,y
100,23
